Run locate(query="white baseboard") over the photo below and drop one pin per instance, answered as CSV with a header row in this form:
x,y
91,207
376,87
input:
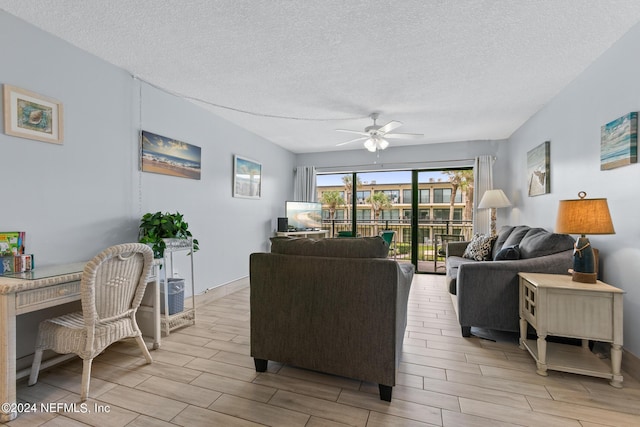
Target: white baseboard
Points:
x,y
220,291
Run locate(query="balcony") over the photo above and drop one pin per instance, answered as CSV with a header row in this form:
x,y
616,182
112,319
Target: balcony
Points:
x,y
430,232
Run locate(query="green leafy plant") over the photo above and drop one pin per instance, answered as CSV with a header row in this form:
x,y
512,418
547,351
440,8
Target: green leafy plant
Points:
x,y
157,226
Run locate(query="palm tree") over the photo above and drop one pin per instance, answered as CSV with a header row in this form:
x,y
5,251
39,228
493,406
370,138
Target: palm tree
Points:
x,y
455,179
378,201
332,199
460,180
347,180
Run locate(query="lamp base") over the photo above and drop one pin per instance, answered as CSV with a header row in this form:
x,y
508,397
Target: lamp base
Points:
x,y
576,276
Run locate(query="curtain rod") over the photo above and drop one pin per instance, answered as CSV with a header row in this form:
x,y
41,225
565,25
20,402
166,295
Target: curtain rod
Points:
x,y
396,166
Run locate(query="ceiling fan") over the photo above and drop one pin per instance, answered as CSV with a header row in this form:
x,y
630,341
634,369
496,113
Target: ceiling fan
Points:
x,y
375,136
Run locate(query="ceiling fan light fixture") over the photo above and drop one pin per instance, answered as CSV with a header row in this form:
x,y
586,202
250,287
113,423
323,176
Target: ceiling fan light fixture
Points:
x,y
370,145
375,136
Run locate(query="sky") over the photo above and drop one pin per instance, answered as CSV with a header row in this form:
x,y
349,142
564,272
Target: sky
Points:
x,y
394,177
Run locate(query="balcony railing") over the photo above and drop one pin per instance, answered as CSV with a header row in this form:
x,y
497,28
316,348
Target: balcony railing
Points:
x,y
430,235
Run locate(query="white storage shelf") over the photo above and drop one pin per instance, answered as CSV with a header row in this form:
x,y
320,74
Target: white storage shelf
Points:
x,y
187,316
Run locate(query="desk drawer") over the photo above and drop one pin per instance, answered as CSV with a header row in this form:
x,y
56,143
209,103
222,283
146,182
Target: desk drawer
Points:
x,y
49,296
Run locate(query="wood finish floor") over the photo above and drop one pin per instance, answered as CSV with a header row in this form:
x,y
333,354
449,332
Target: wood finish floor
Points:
x,y
203,376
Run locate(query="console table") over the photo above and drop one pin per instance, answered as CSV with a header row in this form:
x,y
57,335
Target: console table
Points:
x,y
319,234
555,305
35,290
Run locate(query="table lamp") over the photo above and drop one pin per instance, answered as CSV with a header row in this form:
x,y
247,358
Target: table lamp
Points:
x,y
492,199
584,216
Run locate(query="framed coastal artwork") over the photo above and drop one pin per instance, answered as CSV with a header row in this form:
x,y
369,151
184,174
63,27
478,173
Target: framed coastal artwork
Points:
x,y
538,165
619,142
168,156
32,116
247,178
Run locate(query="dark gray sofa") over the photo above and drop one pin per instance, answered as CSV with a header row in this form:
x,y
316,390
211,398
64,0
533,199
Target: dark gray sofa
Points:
x,y
487,291
337,306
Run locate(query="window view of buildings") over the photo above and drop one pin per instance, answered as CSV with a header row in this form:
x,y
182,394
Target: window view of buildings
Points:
x,y
444,206
434,199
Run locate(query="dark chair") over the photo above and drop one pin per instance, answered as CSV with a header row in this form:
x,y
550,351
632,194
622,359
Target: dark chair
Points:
x,y
389,236
440,248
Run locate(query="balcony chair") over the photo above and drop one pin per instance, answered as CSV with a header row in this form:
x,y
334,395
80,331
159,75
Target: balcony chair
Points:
x,y
389,236
111,290
440,249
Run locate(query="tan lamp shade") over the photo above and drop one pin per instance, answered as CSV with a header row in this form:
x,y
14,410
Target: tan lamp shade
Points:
x,y
584,216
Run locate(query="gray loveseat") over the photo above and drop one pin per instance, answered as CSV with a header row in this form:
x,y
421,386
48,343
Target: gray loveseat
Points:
x,y
337,306
487,291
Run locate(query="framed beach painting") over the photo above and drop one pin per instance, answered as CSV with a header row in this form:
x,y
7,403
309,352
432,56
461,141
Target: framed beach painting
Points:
x,y
168,156
538,167
247,178
619,142
32,116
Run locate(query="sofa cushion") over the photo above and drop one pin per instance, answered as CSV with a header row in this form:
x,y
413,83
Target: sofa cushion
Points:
x,y
508,253
503,235
539,242
516,235
453,262
479,248
346,247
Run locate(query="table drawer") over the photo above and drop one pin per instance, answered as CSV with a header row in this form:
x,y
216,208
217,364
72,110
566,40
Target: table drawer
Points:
x,y
49,296
529,302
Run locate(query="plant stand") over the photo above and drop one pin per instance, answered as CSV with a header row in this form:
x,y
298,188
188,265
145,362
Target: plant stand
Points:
x,y
187,316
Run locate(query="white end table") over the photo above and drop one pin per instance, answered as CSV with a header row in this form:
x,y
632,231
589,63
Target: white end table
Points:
x,y
555,305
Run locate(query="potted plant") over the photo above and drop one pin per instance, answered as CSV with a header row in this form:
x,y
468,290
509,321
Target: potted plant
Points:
x,y
157,226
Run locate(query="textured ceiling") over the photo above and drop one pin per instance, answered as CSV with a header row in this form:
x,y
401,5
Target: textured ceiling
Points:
x,y
451,70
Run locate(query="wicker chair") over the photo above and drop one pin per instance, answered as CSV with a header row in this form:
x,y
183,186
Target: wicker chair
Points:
x,y
111,290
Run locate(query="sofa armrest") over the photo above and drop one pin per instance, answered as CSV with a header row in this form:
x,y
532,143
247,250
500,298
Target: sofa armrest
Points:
x,y
488,290
405,277
456,248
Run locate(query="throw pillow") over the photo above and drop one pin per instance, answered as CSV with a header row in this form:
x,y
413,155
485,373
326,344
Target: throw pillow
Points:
x,y
479,248
508,253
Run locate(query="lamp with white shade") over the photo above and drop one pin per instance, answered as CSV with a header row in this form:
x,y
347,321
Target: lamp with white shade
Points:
x,y
493,199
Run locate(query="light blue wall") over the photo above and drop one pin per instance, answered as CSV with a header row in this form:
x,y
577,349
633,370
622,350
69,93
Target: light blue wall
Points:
x,y
608,89
77,198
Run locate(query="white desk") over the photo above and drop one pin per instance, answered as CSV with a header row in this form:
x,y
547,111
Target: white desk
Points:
x,y
35,290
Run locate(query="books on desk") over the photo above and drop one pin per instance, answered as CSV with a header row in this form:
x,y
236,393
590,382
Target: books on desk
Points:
x,y
12,256
16,263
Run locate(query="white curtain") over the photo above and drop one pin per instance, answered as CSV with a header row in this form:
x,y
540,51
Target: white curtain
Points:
x,y
483,181
304,184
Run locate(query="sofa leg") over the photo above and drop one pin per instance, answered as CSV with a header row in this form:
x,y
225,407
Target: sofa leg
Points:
x,y
261,364
385,392
466,331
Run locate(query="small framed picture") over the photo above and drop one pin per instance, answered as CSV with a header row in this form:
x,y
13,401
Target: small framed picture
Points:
x,y
538,168
619,142
32,116
247,178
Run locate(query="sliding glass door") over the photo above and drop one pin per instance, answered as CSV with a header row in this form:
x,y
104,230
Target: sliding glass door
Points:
x,y
420,210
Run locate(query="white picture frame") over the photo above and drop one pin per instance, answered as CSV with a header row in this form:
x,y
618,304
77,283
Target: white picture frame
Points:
x,y
247,178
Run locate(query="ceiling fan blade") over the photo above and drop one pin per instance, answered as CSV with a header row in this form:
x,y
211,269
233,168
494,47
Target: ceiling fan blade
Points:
x,y
389,127
404,135
352,131
352,140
